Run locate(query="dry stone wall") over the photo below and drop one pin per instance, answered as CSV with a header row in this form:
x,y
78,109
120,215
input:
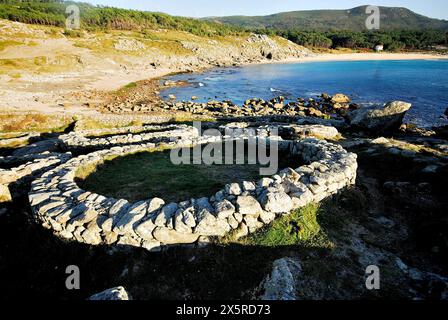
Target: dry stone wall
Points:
x,y
92,139
26,171
72,213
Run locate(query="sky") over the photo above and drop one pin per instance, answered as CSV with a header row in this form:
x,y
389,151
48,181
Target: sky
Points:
x,y
207,8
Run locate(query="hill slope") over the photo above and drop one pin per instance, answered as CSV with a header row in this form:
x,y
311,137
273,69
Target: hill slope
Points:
x,y
42,67
52,12
328,20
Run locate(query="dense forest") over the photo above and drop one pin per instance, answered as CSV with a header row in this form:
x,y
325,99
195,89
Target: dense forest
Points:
x,y
392,40
52,12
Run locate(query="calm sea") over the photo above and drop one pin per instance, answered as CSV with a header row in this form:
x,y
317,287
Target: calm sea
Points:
x,y
423,83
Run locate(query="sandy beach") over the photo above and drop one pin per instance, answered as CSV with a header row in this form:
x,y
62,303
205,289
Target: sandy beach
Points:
x,y
49,101
372,56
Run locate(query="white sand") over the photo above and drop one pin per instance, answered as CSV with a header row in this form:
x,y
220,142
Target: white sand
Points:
x,y
373,56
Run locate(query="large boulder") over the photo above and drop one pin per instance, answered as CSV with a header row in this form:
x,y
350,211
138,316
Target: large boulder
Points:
x,y
118,293
340,98
380,119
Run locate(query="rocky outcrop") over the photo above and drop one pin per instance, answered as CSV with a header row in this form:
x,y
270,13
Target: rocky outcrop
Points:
x,y
380,119
113,294
323,108
281,284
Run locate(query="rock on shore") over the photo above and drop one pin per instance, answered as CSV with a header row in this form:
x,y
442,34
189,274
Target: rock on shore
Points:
x,y
380,119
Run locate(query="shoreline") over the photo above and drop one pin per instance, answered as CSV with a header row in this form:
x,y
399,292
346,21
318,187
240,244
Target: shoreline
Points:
x,y
108,82
329,57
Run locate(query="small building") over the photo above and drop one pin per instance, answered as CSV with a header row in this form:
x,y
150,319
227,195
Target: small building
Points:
x,y
379,48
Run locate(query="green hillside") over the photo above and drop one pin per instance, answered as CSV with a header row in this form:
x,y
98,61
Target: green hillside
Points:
x,y
333,20
52,12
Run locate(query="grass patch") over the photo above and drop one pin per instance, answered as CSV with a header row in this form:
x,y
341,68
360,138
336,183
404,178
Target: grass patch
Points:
x,y
300,227
8,43
152,174
72,33
92,124
32,122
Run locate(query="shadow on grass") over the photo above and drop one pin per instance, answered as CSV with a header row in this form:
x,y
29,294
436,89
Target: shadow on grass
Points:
x,y
33,263
33,260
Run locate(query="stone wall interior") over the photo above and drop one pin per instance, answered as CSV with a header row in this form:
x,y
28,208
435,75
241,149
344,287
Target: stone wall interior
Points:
x,y
72,213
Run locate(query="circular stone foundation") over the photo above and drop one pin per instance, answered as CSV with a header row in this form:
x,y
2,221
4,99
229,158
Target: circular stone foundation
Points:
x,y
72,213
146,175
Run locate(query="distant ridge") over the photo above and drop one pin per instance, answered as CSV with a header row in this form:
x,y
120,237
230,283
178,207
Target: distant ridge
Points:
x,y
392,18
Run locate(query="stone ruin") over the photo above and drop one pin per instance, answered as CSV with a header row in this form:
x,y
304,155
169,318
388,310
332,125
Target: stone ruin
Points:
x,y
241,208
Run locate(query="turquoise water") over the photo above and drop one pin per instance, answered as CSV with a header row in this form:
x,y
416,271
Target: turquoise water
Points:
x,y
423,83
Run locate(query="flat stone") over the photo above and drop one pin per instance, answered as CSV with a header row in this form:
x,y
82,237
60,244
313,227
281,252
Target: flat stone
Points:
x,y
36,198
129,241
248,205
85,217
276,201
170,236
119,207
71,213
145,229
128,219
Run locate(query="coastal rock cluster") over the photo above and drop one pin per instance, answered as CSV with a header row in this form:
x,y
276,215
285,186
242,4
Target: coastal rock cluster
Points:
x,y
325,107
72,213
